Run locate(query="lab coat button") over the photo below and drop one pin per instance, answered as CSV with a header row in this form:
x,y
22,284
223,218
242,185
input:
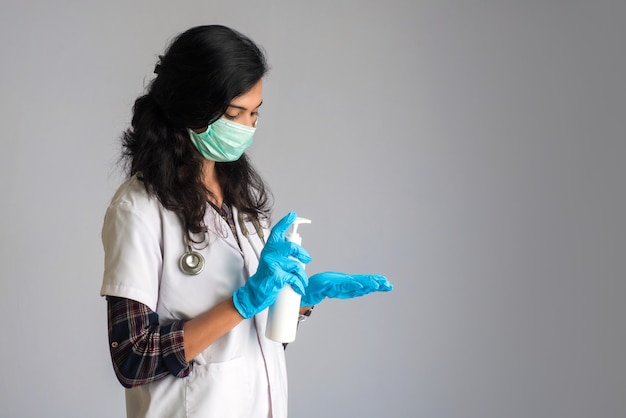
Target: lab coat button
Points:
x,y
114,344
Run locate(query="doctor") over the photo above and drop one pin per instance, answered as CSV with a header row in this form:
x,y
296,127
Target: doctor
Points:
x,y
190,262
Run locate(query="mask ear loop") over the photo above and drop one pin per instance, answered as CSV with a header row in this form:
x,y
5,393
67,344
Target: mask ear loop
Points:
x,y
191,262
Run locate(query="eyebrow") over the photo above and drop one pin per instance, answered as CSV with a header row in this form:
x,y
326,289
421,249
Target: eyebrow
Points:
x,y
243,108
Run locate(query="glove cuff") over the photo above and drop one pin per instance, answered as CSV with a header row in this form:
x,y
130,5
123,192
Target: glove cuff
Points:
x,y
239,302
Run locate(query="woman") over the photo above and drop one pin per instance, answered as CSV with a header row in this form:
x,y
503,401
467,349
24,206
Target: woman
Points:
x,y
188,276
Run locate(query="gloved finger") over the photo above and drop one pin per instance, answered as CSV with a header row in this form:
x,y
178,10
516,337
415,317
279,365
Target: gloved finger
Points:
x,y
346,290
384,285
343,286
374,282
278,231
296,279
334,285
287,270
289,249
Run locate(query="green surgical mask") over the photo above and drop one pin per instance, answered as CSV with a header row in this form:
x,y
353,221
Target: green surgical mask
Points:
x,y
223,141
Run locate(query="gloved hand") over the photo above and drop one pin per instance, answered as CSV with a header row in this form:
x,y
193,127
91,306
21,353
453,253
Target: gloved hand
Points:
x,y
342,286
276,269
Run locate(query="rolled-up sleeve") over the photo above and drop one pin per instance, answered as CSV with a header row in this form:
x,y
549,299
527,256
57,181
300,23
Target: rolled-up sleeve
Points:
x,y
143,350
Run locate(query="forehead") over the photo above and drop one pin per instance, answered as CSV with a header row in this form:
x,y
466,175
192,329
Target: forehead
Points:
x,y
250,99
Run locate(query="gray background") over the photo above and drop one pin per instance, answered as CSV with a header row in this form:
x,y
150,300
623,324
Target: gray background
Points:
x,y
472,151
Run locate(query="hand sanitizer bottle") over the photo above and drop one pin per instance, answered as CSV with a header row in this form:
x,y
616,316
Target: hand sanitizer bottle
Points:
x,y
282,320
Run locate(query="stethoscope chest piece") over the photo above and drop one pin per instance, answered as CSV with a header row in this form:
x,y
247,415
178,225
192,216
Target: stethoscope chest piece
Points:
x,y
191,262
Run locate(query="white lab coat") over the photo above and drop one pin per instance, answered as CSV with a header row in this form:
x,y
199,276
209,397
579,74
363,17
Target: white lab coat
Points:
x,y
243,374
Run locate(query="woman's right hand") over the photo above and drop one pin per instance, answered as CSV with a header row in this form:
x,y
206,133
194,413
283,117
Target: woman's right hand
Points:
x,y
279,265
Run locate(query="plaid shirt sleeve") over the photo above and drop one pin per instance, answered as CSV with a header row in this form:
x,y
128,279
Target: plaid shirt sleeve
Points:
x,y
142,350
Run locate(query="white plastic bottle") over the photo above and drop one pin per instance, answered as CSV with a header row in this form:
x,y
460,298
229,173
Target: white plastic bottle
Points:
x,y
282,320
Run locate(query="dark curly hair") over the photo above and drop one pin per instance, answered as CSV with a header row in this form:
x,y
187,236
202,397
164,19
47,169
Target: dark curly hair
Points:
x,y
202,70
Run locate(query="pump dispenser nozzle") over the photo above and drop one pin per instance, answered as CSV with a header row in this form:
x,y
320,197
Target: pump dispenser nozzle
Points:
x,y
293,235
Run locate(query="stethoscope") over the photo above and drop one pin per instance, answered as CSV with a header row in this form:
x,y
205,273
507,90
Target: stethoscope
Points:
x,y
192,262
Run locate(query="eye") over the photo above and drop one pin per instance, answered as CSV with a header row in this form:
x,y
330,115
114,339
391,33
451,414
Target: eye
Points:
x,y
230,117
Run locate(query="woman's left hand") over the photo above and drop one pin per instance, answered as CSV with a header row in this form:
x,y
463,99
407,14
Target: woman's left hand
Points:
x,y
342,286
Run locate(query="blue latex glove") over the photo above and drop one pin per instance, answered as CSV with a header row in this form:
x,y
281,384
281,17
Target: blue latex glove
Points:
x,y
276,269
342,286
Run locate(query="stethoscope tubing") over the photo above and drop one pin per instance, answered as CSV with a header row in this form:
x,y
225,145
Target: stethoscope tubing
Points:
x,y
192,262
